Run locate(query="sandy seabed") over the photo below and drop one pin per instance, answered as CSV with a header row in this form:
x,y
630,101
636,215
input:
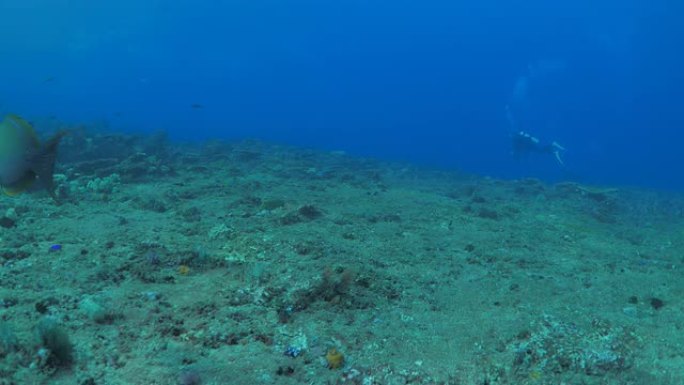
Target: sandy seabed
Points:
x,y
253,263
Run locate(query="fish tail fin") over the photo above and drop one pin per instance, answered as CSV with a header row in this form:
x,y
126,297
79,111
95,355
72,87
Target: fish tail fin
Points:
x,y
44,163
20,186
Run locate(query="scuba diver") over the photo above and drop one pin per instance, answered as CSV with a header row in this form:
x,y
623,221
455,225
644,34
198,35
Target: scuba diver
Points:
x,y
524,143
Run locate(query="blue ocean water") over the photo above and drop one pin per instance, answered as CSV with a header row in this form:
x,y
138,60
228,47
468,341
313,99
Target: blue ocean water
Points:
x,y
422,81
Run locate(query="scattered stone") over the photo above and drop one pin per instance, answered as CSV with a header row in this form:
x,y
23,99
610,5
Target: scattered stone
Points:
x,y
7,222
657,303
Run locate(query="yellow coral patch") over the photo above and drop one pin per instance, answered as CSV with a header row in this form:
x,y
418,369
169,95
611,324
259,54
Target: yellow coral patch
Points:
x,y
334,358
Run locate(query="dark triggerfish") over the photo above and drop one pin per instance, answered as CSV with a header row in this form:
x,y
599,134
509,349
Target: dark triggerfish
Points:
x,y
22,158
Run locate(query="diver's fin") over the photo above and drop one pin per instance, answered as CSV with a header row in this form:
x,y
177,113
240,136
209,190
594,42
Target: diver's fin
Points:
x,y
558,158
43,164
557,148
